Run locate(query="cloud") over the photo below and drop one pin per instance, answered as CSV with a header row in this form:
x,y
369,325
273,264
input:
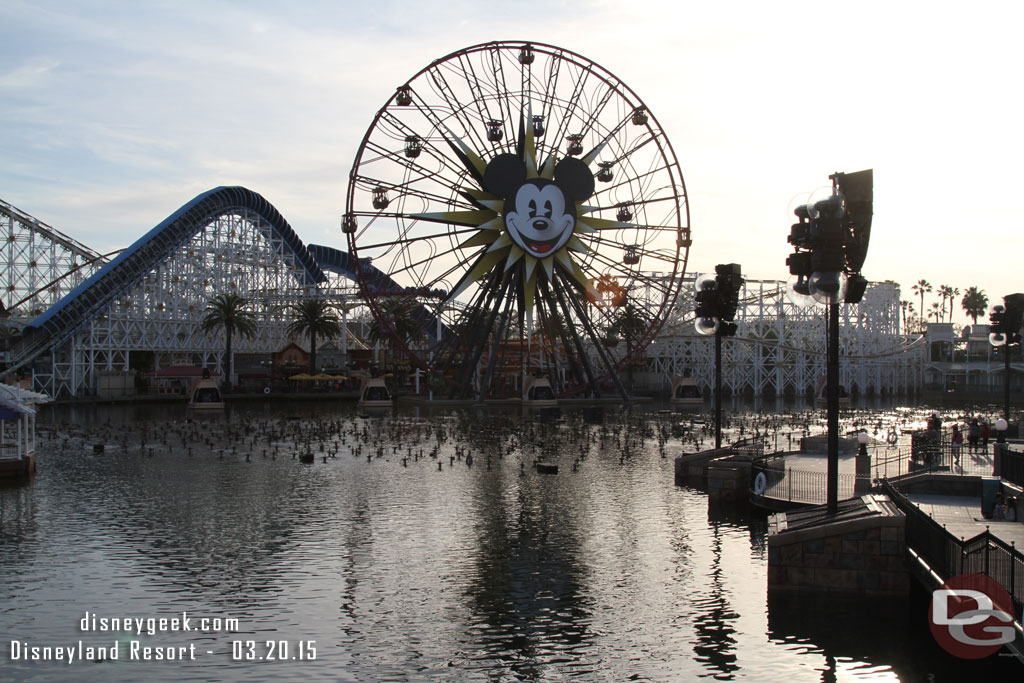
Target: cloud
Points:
x,y
107,104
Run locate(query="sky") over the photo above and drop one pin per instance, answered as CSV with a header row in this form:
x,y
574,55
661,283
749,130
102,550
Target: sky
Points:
x,y
115,114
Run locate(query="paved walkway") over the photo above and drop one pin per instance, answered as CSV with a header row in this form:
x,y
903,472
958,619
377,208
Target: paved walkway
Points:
x,y
962,517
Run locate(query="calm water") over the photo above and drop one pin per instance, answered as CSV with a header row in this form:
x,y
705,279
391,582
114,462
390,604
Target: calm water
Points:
x,y
396,571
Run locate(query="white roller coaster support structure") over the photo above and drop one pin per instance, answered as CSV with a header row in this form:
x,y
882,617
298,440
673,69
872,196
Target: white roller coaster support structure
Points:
x,y
779,348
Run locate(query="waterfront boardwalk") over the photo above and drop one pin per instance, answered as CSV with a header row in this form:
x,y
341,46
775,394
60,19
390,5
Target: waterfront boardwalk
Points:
x,y
961,515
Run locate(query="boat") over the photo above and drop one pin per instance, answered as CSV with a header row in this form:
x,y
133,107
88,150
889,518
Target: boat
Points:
x,y
538,393
686,393
205,395
821,395
373,393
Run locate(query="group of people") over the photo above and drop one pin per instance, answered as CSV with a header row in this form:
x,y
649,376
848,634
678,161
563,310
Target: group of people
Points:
x,y
1005,509
978,433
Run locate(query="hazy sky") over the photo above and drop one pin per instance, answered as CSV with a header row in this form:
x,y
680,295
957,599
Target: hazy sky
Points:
x,y
114,114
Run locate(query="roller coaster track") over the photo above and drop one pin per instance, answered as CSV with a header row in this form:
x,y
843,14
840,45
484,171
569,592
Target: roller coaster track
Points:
x,y
342,262
95,295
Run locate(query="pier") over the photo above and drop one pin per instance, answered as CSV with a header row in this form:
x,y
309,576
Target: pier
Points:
x,y
18,430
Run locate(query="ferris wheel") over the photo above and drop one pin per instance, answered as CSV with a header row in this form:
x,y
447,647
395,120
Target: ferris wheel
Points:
x,y
515,209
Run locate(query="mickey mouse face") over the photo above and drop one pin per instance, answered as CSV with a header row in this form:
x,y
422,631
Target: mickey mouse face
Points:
x,y
540,214
539,219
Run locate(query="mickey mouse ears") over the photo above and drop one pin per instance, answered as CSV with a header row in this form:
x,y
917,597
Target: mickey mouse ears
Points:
x,y
575,178
506,173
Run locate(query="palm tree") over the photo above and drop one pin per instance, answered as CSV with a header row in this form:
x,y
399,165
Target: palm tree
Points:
x,y
228,311
974,303
936,310
906,306
954,292
630,323
922,287
313,318
946,292
399,321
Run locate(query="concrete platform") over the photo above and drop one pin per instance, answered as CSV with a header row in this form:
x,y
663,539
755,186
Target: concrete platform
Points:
x,y
962,517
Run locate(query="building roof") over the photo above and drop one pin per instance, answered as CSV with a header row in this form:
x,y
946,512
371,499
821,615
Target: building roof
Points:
x,y
21,401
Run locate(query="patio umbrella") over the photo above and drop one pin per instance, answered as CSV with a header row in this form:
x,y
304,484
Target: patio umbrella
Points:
x,y
301,376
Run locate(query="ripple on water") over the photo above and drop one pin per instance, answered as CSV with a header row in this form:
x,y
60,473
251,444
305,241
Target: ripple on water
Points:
x,y
400,571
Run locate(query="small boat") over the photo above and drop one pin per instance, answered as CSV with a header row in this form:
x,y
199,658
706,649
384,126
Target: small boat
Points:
x,y
205,395
538,393
686,393
373,393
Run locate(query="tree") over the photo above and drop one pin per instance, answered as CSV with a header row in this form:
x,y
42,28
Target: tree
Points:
x,y
922,287
974,303
630,323
313,318
399,321
936,310
946,292
954,292
228,311
906,307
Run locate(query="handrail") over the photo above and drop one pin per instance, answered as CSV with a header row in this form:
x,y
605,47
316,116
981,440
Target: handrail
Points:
x,y
949,556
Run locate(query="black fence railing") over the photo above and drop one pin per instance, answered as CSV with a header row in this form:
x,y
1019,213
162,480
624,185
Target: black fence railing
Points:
x,y
807,486
950,556
753,446
1011,467
892,463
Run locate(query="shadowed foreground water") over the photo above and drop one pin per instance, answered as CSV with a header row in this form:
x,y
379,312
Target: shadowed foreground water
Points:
x,y
397,571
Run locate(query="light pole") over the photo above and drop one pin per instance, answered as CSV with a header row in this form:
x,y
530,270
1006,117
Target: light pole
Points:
x,y
717,300
1004,332
830,244
863,465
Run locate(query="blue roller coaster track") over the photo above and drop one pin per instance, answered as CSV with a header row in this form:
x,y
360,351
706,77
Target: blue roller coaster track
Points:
x,y
91,298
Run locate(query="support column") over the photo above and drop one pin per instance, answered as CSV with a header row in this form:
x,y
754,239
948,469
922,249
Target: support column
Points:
x,y
832,380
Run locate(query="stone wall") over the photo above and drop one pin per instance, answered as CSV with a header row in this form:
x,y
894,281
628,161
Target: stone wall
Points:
x,y
860,556
729,480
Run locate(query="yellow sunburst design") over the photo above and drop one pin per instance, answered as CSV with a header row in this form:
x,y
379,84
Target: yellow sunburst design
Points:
x,y
497,247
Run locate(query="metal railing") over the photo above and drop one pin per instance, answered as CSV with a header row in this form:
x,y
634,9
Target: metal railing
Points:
x,y
753,446
809,486
943,459
949,556
1011,467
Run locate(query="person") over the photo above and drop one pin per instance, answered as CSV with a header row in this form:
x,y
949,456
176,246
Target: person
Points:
x,y
999,509
973,434
958,442
984,436
1010,509
935,423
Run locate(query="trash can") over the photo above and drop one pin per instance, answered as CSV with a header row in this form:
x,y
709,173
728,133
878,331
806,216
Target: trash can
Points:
x,y
990,486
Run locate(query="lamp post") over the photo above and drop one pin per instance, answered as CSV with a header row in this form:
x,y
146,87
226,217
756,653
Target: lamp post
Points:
x,y
830,244
717,300
1001,426
1000,447
1004,332
863,465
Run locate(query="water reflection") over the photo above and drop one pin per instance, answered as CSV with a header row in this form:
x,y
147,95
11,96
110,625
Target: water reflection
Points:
x,y
525,588
401,559
714,619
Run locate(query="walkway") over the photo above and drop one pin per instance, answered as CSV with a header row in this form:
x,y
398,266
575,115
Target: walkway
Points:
x,y
961,515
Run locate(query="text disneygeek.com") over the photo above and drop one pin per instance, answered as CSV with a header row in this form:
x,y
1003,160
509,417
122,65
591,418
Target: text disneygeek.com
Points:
x,y
127,645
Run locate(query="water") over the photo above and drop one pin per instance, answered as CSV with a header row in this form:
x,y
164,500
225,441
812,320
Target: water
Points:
x,y
395,571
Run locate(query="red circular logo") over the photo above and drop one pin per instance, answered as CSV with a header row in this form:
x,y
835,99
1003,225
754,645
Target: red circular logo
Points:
x,y
971,616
